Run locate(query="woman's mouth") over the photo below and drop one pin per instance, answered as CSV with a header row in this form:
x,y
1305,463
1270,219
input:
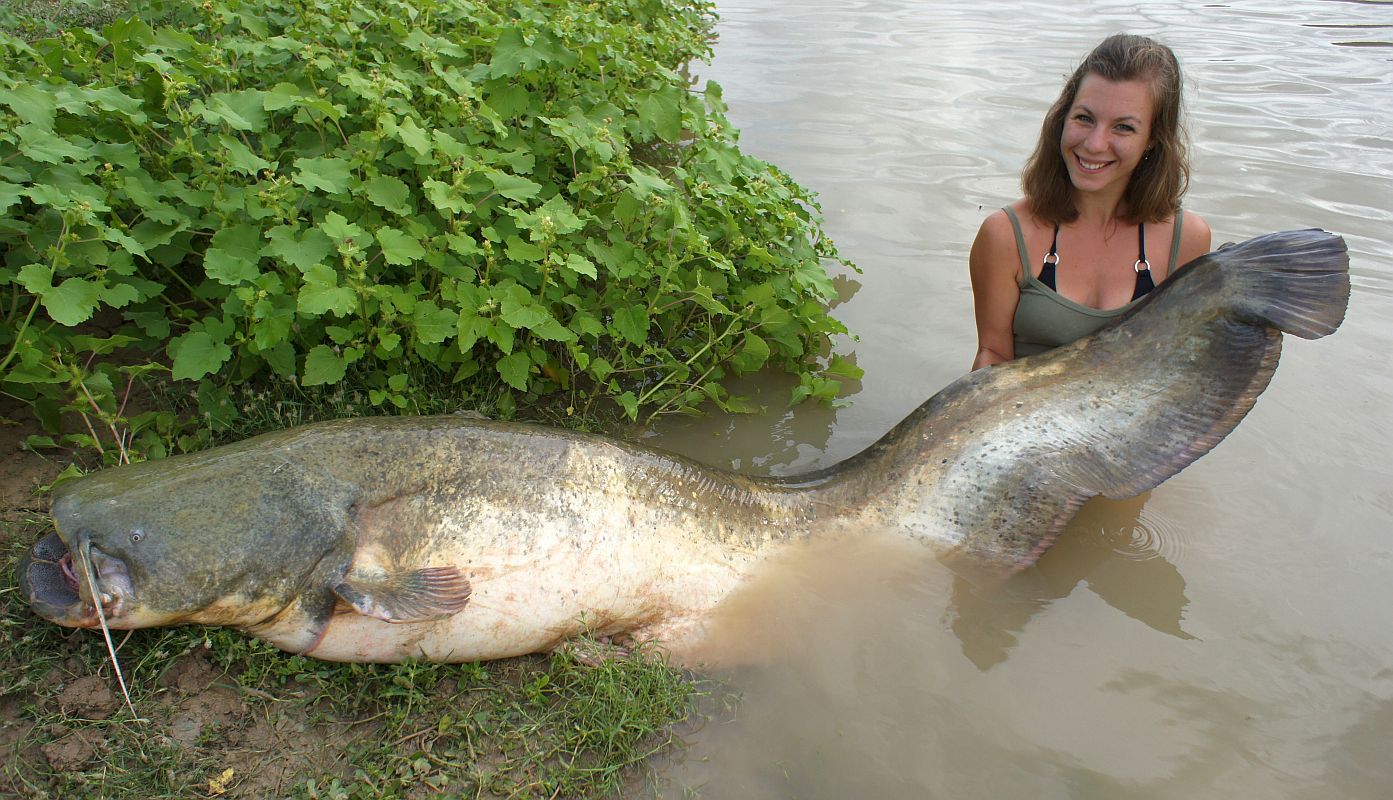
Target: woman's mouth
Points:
x,y
1090,166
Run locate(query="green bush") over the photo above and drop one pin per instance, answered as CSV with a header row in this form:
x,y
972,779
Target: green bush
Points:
x,y
318,191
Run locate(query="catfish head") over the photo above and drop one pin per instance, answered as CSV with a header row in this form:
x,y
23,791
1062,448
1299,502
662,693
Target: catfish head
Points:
x,y
218,537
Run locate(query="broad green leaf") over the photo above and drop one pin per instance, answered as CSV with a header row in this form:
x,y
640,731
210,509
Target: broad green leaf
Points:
x,y
109,98
100,345
35,278
414,136
620,259
321,293
44,147
322,366
843,368
554,218
274,320
232,255
630,404
341,231
600,369
252,21
510,54
518,250
10,193
388,346
197,354
702,296
240,157
398,247
753,353
330,175
513,187
120,295
302,249
446,197
552,330
632,323
646,183
129,243
72,301
524,314
514,369
284,95
390,193
581,265
502,335
469,328
339,334
587,324
463,244
287,95
449,146
433,324
664,111
243,111
31,104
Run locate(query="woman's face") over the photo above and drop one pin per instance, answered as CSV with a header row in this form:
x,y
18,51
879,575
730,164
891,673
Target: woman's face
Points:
x,y
1106,132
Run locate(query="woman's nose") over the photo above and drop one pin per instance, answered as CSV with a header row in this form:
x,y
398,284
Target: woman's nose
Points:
x,y
1097,140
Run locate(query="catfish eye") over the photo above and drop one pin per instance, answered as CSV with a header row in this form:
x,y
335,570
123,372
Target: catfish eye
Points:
x,y
136,536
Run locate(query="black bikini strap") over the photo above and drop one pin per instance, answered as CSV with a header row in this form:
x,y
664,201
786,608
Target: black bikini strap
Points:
x,y
1145,283
1142,264
1050,260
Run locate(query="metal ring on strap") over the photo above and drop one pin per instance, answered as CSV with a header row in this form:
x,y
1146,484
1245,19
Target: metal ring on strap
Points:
x,y
1141,265
1048,256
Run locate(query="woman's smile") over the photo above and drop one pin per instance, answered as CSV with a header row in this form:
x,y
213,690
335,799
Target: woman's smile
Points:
x,y
1107,132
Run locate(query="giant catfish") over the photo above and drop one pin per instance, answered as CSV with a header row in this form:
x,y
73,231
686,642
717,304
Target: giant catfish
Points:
x,y
454,539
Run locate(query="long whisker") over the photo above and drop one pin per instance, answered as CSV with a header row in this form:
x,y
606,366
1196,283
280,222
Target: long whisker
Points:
x,y
106,632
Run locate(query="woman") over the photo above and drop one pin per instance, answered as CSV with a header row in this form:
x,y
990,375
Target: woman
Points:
x,y
1100,224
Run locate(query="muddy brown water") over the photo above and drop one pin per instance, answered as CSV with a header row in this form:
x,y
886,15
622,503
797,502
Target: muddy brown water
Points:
x,y
1228,635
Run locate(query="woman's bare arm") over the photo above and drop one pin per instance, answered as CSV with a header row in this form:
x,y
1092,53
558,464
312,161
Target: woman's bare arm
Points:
x,y
995,269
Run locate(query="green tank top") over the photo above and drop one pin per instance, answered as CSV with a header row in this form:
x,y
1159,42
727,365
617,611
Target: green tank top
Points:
x,y
1045,319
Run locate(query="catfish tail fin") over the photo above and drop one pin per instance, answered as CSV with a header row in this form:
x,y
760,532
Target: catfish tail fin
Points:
x,y
1297,281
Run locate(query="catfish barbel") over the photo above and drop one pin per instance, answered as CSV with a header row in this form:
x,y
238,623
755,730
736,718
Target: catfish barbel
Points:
x,y
454,539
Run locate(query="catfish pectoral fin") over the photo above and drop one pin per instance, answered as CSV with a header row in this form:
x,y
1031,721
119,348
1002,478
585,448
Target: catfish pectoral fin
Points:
x,y
417,596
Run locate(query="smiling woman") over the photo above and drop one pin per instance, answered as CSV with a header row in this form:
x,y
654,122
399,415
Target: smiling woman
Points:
x,y
1108,170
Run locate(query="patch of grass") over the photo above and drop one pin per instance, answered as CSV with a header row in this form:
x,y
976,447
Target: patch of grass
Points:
x,y
33,19
214,700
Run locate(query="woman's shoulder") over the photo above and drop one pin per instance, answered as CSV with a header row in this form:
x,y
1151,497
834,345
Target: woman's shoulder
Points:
x,y
996,232
996,247
1002,223
1194,236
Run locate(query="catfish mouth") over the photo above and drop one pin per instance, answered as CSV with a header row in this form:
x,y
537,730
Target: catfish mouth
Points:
x,y
57,586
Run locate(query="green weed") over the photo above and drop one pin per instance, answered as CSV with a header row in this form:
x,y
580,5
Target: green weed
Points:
x,y
527,200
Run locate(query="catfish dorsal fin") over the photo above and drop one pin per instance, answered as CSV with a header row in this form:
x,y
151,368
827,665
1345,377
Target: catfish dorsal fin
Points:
x,y
419,595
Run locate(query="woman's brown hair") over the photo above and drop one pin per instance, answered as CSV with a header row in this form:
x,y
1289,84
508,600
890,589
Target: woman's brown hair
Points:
x,y
1153,193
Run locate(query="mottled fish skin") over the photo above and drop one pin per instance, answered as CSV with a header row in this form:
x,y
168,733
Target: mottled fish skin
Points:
x,y
498,539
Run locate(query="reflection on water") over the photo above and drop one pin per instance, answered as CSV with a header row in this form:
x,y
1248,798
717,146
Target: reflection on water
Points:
x,y
1108,548
1226,636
